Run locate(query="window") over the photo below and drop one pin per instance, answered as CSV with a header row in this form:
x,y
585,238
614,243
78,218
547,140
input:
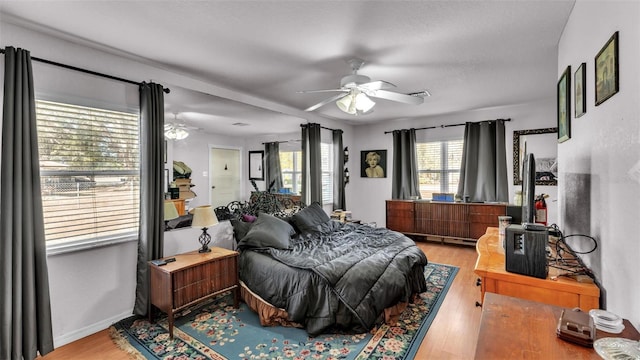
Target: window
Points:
x,y
326,156
291,167
89,171
439,167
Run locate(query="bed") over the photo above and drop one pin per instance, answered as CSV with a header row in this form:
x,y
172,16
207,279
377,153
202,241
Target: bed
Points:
x,y
300,268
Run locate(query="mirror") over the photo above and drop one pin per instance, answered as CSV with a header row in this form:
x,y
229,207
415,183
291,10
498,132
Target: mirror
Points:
x,y
542,143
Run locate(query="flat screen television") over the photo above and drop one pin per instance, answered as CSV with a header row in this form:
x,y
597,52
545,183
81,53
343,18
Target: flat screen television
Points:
x,y
528,189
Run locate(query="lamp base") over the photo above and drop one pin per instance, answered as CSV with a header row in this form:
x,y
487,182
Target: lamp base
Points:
x,y
204,239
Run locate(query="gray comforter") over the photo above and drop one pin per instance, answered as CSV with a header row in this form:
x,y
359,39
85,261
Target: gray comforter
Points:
x,y
342,276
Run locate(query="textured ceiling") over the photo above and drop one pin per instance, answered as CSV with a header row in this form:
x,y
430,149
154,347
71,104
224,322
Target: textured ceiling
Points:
x,y
467,54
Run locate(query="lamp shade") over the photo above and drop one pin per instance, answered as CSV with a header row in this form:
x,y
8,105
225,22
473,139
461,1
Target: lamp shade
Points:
x,y
174,133
170,211
204,217
347,104
364,103
355,103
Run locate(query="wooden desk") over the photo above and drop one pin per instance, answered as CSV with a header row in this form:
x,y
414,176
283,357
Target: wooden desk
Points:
x,y
494,278
194,277
513,328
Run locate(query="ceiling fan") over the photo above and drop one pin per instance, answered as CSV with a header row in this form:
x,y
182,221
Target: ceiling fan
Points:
x,y
356,90
177,130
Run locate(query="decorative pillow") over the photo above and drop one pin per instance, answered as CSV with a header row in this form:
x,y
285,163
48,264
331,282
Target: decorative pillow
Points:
x,y
248,218
309,218
240,229
268,231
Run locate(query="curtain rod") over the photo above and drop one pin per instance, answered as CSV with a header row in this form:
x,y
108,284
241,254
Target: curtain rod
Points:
x,y
166,90
446,126
322,127
279,142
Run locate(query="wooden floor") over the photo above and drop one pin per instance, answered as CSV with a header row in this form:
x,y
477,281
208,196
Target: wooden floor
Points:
x,y
452,334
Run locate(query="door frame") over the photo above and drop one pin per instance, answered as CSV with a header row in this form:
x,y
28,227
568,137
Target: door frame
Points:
x,y
241,164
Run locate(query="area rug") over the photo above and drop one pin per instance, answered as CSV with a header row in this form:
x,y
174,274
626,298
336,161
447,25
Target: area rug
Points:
x,y
216,330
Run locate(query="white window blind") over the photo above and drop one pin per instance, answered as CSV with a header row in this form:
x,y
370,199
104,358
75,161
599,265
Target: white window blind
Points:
x,y
326,155
439,166
291,167
89,168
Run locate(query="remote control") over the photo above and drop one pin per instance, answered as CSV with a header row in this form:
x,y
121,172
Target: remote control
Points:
x,y
170,260
533,227
159,262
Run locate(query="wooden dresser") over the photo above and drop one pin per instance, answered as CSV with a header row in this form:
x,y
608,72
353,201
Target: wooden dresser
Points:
x,y
555,290
194,277
460,223
513,328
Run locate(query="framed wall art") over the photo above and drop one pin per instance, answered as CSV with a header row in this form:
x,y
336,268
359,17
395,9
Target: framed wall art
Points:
x,y
374,163
606,69
564,106
256,165
580,91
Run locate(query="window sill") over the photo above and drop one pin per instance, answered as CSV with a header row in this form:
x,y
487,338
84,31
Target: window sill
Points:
x,y
65,247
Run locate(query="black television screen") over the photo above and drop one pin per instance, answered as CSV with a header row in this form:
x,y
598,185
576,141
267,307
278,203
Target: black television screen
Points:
x,y
528,189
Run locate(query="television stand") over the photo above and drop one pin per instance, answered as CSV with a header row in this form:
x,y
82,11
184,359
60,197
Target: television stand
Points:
x,y
554,290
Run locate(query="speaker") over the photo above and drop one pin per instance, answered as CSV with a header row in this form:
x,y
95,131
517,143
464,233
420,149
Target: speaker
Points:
x,y
526,251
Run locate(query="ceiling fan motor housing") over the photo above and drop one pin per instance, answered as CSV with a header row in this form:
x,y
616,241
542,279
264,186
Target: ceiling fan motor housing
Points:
x,y
354,80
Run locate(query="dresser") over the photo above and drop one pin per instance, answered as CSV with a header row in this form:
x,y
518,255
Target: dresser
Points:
x,y
192,278
447,222
555,289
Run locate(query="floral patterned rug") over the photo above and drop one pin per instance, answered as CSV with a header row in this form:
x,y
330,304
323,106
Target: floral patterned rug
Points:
x,y
216,330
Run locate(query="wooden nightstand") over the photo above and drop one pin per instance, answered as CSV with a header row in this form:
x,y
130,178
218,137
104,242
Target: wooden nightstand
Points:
x,y
194,277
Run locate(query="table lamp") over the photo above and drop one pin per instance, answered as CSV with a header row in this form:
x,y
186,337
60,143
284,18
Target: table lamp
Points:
x,y
204,217
170,213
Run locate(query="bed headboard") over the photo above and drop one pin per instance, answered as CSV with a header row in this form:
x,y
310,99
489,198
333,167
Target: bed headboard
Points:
x,y
261,201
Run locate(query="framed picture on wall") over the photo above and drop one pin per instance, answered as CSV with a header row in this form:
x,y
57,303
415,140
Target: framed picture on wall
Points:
x,y
564,106
580,92
607,79
256,165
374,163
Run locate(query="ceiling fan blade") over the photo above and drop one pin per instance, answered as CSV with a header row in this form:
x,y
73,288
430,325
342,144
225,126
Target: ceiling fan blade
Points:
x,y
326,101
322,90
394,96
376,85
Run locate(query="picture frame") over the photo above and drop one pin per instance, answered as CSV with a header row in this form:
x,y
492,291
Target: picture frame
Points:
x,y
564,106
607,79
580,90
256,165
373,163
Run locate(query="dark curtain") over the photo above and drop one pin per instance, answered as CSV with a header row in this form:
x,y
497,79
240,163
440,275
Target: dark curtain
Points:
x,y
311,164
273,172
151,233
338,171
483,172
25,319
404,184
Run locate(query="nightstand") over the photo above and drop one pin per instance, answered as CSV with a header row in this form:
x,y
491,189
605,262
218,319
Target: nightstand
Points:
x,y
191,279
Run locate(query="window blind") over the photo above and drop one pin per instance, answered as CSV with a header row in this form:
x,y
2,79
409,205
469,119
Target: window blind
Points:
x,y
439,166
89,168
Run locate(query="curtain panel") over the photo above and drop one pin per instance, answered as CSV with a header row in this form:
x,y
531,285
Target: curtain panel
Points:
x,y
25,319
338,171
404,182
483,172
273,171
151,233
311,164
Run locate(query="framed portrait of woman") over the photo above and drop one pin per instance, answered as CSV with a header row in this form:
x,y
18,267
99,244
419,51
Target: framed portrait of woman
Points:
x,y
373,163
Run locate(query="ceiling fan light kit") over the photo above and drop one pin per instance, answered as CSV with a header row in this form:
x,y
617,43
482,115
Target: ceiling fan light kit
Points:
x,y
356,92
172,132
356,103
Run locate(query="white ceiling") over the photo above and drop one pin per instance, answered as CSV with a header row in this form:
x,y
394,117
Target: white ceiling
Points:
x,y
468,54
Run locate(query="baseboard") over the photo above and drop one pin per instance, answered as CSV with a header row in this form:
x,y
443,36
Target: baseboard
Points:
x,y
89,330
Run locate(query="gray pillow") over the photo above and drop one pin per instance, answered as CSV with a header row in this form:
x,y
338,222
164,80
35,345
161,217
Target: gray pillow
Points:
x,y
240,229
310,218
268,231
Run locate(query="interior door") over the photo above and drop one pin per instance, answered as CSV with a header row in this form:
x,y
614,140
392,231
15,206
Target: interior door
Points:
x,y
224,175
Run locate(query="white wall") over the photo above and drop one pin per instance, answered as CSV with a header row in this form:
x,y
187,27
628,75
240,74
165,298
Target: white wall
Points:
x,y
599,174
369,194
